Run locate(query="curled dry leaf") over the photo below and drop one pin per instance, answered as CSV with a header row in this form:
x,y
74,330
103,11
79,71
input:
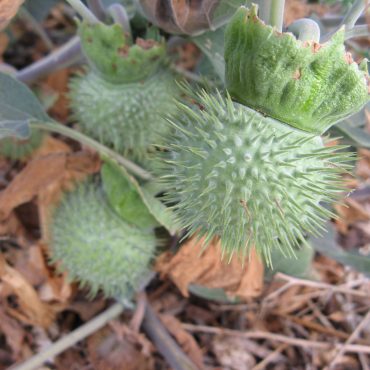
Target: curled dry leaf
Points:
x,y
107,351
350,212
185,340
31,309
8,9
207,268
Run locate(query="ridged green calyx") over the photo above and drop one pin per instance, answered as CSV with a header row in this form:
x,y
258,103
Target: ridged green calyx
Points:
x,y
308,85
121,101
96,247
21,149
254,181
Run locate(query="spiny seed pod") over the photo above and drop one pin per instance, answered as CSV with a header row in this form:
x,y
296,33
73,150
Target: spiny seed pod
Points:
x,y
188,17
305,84
16,149
121,101
248,178
96,247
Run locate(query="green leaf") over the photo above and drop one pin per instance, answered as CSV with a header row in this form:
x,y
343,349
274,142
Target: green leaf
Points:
x,y
299,266
212,294
212,45
132,202
18,107
328,246
352,129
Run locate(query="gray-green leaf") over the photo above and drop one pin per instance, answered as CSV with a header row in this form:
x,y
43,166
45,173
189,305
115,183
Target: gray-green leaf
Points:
x,y
18,107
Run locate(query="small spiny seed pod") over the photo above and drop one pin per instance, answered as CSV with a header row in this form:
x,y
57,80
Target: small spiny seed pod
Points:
x,y
188,17
96,247
121,101
248,178
305,84
17,149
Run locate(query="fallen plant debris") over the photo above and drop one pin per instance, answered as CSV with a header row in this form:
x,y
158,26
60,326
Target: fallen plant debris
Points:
x,y
201,309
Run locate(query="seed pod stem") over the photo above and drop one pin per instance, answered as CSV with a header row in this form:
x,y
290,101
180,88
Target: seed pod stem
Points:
x,y
103,150
83,11
272,12
120,16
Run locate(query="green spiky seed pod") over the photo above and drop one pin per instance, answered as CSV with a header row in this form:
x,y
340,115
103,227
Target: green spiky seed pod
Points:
x,y
96,247
17,149
248,178
308,85
122,100
128,118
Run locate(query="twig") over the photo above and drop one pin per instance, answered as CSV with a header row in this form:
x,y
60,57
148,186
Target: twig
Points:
x,y
271,357
315,284
72,338
355,348
63,57
352,337
169,349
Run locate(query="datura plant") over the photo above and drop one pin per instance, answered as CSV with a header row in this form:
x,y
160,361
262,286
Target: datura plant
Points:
x,y
96,246
122,100
250,165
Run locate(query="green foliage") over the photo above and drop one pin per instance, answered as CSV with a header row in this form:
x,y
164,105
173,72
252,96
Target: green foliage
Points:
x,y
18,107
306,85
248,178
15,149
96,247
116,182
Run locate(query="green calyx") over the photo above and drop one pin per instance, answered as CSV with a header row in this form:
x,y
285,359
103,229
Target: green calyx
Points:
x,y
249,179
308,85
17,149
110,51
126,117
96,247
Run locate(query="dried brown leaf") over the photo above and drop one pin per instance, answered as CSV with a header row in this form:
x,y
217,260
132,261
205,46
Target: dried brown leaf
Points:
x,y
109,352
185,340
350,212
8,9
31,309
13,331
207,268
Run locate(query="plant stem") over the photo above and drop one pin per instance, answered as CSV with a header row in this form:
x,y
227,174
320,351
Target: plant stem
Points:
x,y
272,12
305,30
72,338
350,19
354,13
27,17
103,150
63,57
119,15
83,11
97,8
168,348
357,31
